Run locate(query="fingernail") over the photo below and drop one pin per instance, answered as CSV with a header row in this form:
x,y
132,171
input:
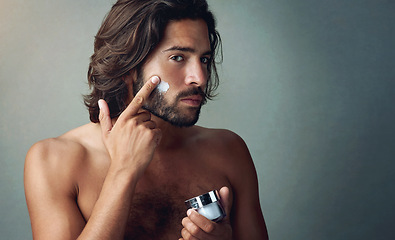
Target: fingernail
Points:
x,y
189,212
155,79
100,104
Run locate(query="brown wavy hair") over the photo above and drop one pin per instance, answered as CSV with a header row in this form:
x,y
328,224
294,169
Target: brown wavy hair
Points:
x,y
129,32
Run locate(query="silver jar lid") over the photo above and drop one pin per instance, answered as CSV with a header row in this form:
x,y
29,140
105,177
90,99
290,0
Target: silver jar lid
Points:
x,y
202,200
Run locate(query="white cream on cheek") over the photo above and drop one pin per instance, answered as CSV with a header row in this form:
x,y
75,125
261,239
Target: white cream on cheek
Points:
x,y
163,86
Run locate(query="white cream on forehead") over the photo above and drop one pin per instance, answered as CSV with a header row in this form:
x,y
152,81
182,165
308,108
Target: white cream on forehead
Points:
x,y
163,86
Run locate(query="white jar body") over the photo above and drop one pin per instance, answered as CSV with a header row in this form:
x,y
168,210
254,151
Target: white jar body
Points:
x,y
212,211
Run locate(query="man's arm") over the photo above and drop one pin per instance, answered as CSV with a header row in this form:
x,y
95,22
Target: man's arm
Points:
x,y
51,189
247,218
50,192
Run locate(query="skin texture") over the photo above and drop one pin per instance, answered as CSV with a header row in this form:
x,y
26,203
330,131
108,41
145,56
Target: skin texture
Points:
x,y
128,178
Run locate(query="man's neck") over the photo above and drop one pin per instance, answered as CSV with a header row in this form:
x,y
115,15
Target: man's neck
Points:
x,y
172,136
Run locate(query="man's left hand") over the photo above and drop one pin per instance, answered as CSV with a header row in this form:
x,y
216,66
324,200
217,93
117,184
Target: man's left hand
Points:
x,y
197,226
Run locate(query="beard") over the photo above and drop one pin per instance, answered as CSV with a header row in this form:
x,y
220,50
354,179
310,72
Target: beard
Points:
x,y
159,106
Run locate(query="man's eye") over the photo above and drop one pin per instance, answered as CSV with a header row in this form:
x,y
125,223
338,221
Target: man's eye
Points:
x,y
205,60
177,58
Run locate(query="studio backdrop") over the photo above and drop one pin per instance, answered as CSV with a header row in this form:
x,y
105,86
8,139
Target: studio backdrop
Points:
x,y
308,84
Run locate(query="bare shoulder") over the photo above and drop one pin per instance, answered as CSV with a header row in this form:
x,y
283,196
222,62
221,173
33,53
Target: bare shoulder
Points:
x,y
224,142
230,153
56,150
53,148
58,157
223,136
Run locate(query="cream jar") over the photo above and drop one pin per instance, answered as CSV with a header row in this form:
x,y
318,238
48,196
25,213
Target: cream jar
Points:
x,y
208,205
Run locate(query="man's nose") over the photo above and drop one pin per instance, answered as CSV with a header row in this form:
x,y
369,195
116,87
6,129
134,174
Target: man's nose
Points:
x,y
197,74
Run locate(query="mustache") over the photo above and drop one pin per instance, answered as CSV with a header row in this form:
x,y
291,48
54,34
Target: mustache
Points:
x,y
192,91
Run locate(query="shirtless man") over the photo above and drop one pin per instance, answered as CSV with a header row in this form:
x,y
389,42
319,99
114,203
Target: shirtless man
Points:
x,y
127,174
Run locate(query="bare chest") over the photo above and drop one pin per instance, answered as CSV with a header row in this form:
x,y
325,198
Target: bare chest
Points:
x,y
157,207
155,214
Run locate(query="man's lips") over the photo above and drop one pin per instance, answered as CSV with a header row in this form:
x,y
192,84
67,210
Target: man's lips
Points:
x,y
194,100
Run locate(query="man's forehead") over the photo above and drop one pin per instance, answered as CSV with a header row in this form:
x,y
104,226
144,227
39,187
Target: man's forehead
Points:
x,y
186,34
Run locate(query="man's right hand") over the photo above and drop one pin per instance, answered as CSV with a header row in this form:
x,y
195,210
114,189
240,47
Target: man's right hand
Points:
x,y
132,140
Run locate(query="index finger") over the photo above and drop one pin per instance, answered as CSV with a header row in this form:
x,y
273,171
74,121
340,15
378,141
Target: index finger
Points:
x,y
141,96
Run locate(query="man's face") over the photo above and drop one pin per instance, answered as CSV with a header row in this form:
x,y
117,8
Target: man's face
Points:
x,y
181,60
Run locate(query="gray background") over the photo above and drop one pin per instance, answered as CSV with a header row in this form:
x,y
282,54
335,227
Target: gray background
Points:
x,y
308,84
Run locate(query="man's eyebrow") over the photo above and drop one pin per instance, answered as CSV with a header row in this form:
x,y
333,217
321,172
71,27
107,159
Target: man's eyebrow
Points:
x,y
185,49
